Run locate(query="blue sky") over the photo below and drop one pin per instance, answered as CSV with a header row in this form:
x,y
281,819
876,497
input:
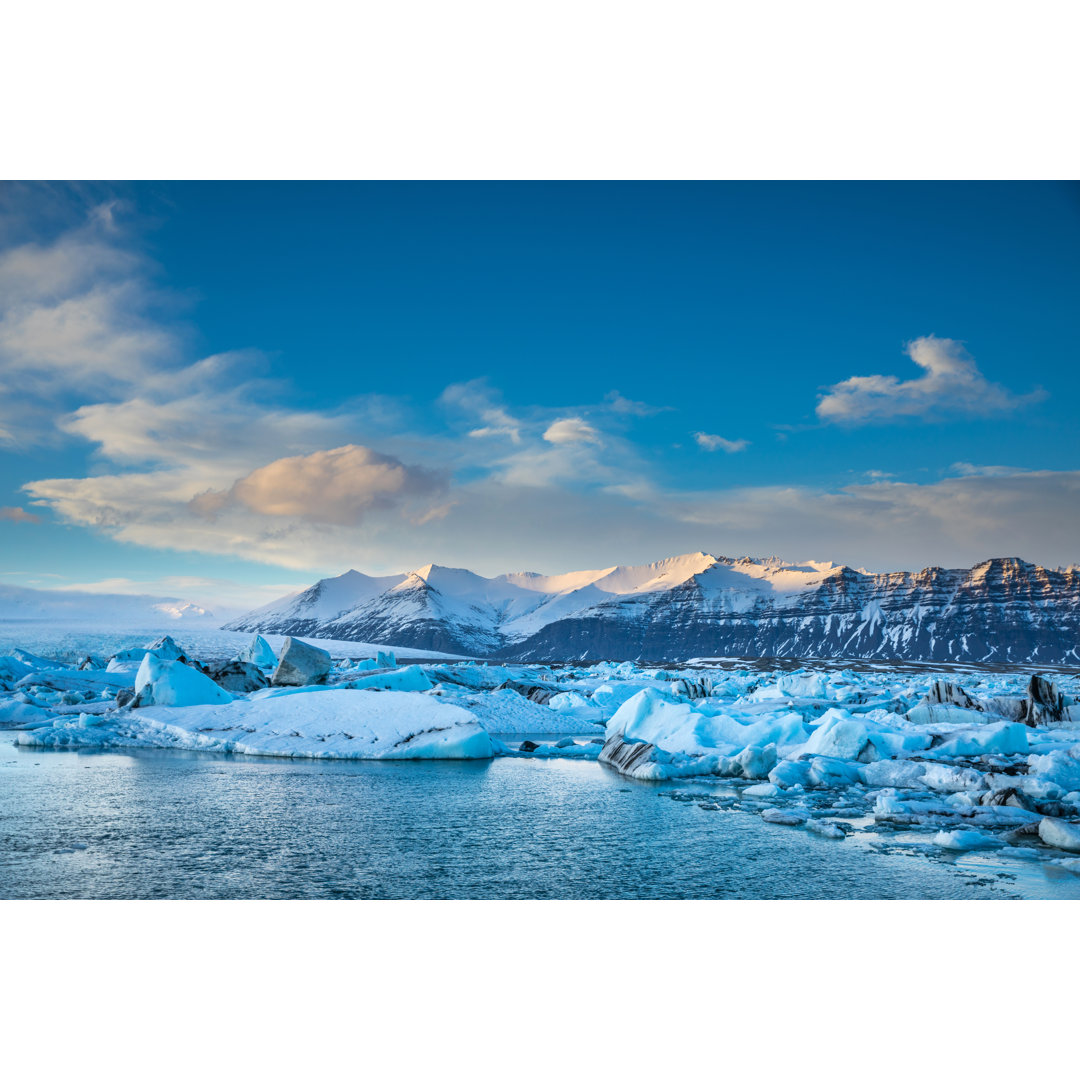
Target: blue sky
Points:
x,y
226,390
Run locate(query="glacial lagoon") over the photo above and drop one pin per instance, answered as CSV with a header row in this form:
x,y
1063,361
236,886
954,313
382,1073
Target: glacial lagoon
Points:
x,y
179,824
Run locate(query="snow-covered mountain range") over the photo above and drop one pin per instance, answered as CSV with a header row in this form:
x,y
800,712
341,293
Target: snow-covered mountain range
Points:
x,y
1004,610
19,605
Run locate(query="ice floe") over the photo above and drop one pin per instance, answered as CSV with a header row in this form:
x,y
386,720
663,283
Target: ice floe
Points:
x,y
990,761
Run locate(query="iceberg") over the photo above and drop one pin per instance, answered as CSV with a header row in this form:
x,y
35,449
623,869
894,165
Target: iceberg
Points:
x,y
173,683
406,678
258,652
324,724
965,840
301,664
1059,834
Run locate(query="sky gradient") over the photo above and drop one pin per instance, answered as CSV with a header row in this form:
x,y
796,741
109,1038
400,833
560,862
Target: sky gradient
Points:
x,y
225,391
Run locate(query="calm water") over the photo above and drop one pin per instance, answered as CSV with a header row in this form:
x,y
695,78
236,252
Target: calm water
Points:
x,y
169,824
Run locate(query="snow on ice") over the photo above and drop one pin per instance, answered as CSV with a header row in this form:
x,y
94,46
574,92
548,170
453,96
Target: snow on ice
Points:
x,y
988,763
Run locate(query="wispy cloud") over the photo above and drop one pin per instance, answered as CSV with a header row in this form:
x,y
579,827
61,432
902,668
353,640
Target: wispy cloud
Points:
x,y
207,455
718,442
965,468
477,400
627,407
76,316
18,514
952,385
571,429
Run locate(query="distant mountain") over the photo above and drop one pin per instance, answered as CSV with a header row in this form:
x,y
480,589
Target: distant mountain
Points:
x,y
1003,610
19,604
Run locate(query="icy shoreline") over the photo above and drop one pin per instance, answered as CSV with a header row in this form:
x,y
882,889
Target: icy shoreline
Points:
x,y
990,764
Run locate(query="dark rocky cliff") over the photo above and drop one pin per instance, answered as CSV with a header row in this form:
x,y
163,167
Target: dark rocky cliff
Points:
x,y
1002,610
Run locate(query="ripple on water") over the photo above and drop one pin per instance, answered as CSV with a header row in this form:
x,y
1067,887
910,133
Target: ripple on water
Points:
x,y
173,824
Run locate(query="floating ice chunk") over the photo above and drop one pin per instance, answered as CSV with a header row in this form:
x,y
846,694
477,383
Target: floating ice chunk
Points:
x,y
301,664
568,701
1059,834
889,773
791,774
124,657
644,761
888,807
943,777
783,817
839,736
678,727
1061,768
327,724
11,671
947,693
611,695
650,717
761,791
1006,706
173,683
966,798
797,684
831,772
385,659
568,749
1046,703
830,830
755,762
411,678
21,714
965,840
998,738
947,714
238,676
38,663
167,649
887,744
258,652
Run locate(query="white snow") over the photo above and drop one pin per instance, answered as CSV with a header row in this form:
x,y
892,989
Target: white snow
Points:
x,y
965,840
172,682
314,722
258,652
517,605
1060,834
800,745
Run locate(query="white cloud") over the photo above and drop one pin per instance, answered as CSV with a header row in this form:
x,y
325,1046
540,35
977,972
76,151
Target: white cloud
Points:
x,y
202,457
18,514
717,442
571,429
965,468
330,486
954,522
626,407
477,400
74,320
951,385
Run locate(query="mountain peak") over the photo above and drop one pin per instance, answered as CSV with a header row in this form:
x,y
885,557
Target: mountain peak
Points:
x,y
699,604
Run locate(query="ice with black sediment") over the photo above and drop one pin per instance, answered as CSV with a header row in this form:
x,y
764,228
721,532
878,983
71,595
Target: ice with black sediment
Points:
x,y
986,762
